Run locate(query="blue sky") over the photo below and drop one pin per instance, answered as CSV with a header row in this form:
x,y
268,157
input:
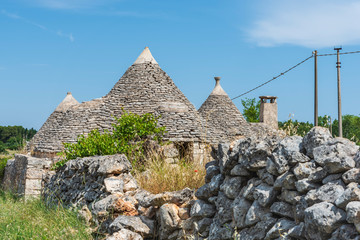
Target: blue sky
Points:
x,y
50,47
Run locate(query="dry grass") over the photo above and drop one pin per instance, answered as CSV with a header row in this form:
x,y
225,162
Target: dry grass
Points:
x,y
161,176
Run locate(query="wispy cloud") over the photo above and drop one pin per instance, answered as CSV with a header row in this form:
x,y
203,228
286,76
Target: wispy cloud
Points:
x,y
308,23
17,17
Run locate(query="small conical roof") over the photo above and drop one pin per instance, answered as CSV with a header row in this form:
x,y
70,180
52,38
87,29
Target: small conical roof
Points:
x,y
145,57
68,102
222,120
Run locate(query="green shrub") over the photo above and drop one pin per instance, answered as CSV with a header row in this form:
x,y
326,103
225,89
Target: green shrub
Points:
x,y
32,219
130,134
2,147
3,161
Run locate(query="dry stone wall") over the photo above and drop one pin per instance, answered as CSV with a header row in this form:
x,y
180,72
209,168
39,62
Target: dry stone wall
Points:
x,y
23,175
291,188
106,194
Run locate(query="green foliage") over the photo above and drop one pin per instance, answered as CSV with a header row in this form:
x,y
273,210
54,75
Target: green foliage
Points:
x,y
3,161
14,137
130,135
251,109
294,127
31,219
351,128
2,148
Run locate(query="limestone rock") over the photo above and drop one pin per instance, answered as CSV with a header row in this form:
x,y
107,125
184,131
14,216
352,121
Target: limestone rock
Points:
x,y
314,138
304,185
248,191
264,194
168,219
211,171
231,187
300,207
266,177
224,213
240,207
257,232
271,167
255,213
202,209
114,184
177,197
291,197
353,175
280,228
219,231
345,232
336,155
351,193
286,180
318,175
114,164
125,234
353,212
331,178
282,209
239,170
329,192
298,231
141,225
303,170
322,219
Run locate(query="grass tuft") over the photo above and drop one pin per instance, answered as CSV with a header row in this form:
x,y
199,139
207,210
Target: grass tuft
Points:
x,y
31,219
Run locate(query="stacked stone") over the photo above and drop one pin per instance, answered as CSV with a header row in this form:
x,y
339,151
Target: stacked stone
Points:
x,y
107,195
144,88
291,188
23,175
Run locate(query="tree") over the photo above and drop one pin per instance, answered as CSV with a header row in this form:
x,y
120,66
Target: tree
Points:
x,y
251,109
351,128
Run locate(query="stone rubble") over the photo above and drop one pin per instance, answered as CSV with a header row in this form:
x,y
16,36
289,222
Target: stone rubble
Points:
x,y
291,188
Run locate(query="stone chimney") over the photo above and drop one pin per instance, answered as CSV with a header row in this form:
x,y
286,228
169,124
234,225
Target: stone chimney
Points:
x,y
269,111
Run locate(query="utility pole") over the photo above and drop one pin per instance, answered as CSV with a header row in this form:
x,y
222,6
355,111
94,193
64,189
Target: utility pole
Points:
x,y
316,123
339,90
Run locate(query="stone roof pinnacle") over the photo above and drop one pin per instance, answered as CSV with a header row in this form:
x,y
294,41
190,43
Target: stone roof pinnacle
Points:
x,y
145,57
218,90
68,102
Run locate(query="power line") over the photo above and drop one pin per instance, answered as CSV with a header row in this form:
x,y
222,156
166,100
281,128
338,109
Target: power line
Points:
x,y
319,55
333,54
281,74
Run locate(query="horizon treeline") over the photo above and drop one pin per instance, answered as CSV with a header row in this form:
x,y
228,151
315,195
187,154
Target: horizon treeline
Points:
x,y
14,137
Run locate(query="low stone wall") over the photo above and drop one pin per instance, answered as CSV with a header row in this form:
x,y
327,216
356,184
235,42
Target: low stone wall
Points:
x,y
23,175
291,188
107,195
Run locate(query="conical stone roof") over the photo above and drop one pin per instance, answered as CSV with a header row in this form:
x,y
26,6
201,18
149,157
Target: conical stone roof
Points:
x,y
51,129
144,88
221,118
